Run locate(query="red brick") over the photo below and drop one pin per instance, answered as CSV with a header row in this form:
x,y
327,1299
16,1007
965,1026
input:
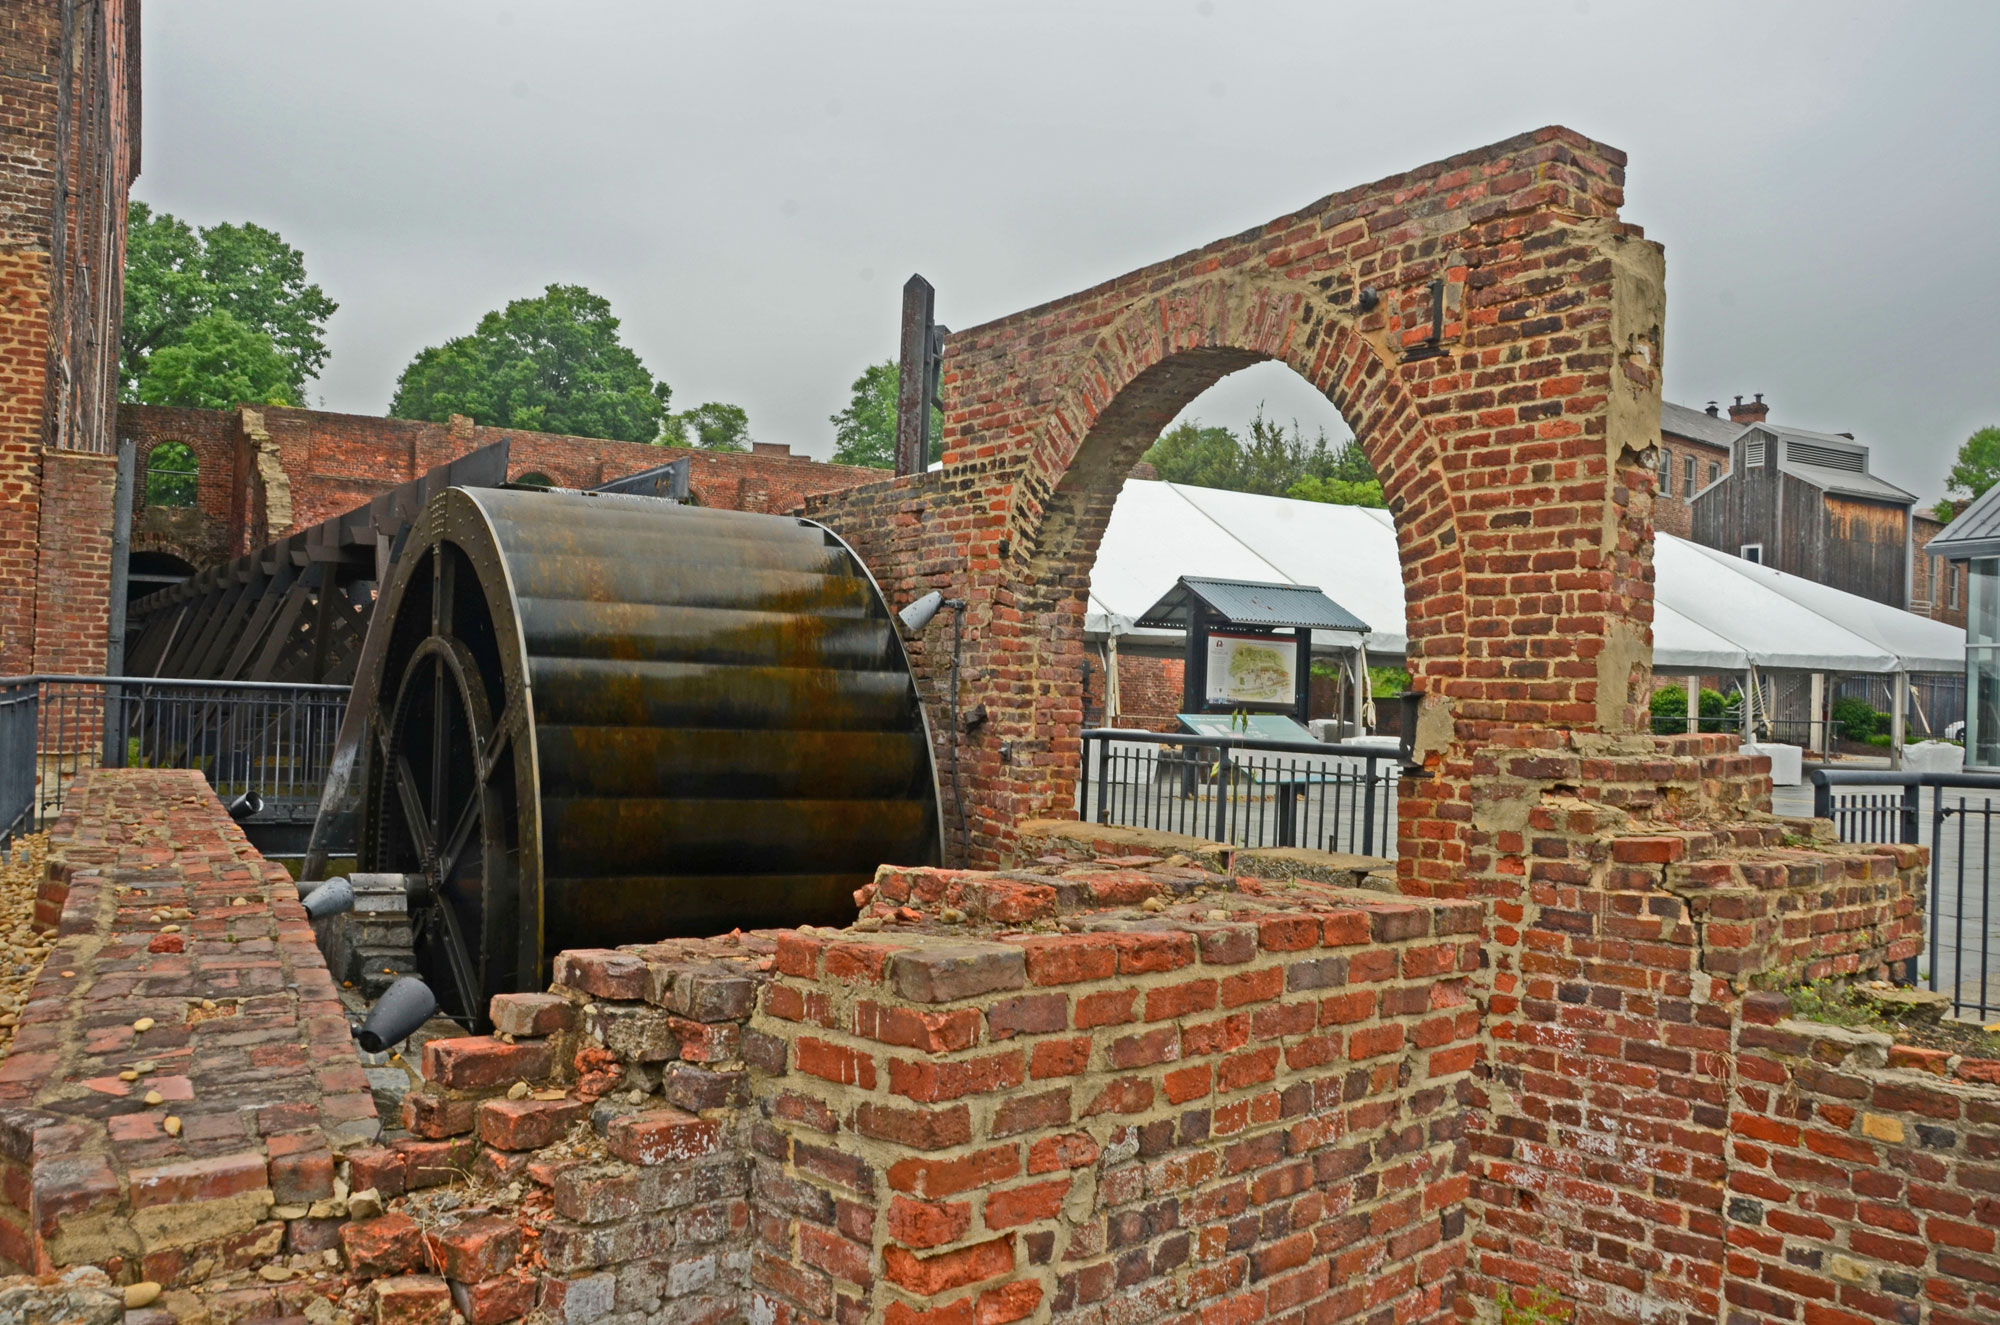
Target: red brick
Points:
x,y
940,1273
388,1245
835,1063
937,1178
531,1014
662,1136
1024,1205
926,1224
476,1249
528,1124
492,1301
481,1062
602,973
417,1299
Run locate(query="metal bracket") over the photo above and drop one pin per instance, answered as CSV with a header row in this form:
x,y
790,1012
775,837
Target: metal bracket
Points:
x,y
1432,346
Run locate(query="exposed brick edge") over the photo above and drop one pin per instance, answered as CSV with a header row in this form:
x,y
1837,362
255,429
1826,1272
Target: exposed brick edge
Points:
x,y
265,1083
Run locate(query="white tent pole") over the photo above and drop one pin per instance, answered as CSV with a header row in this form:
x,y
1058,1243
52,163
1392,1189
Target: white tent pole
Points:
x,y
1694,704
1360,681
1749,704
1816,733
1900,692
1112,699
1364,710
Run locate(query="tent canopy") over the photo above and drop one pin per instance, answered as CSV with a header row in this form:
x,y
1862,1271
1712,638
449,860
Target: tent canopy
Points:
x,y
1712,612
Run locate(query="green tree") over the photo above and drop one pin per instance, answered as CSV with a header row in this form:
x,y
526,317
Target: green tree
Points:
x,y
1978,466
865,432
176,276
1198,456
550,363
1338,492
1269,460
710,427
218,363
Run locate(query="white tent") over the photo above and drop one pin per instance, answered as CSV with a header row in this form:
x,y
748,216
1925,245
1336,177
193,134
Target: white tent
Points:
x,y
1712,612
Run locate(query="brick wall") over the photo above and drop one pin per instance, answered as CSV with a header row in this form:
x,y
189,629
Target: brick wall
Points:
x,y
1939,589
61,285
1149,691
1657,895
1671,512
1861,1177
328,464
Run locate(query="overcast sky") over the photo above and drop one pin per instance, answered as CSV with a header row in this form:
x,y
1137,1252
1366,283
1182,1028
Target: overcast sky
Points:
x,y
749,184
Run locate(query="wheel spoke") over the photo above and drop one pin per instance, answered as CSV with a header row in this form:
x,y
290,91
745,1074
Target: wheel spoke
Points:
x,y
461,834
440,751
415,817
461,963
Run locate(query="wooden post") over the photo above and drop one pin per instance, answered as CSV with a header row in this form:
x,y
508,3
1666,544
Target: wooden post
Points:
x,y
1900,707
913,381
1302,682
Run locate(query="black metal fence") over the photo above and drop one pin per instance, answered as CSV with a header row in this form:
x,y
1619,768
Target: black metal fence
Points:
x,y
273,739
1249,793
1953,814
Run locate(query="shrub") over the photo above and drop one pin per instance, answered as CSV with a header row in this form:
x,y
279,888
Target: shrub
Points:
x,y
1858,718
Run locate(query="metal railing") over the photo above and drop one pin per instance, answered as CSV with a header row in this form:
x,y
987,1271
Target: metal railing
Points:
x,y
1246,792
1952,813
243,736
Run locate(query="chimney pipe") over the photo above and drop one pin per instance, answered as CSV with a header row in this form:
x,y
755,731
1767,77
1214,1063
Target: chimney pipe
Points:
x,y
1713,412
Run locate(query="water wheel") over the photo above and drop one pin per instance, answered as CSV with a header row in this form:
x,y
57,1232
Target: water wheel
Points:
x,y
601,719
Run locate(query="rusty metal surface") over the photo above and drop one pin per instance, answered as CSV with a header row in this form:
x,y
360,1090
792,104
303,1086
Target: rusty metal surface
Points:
x,y
598,719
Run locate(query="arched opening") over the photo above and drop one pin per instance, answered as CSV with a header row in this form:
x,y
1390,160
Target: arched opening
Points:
x,y
1139,376
150,572
1257,479
534,479
172,475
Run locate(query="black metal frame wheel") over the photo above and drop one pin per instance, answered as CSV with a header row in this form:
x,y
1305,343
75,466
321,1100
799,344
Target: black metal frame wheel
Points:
x,y
597,719
437,749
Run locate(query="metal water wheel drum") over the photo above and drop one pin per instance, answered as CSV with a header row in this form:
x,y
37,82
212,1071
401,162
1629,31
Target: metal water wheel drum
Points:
x,y
602,719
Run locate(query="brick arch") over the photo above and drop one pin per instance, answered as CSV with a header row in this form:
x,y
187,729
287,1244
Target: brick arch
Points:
x,y
192,550
1160,357
1491,330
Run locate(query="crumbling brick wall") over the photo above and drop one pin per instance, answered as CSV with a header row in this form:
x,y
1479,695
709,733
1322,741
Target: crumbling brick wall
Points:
x,y
332,463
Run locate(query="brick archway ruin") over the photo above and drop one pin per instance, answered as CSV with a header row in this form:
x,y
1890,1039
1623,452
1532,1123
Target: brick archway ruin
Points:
x,y
1501,371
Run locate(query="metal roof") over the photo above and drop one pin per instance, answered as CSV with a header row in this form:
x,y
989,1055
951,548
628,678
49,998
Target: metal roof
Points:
x,y
1973,532
1697,425
1253,603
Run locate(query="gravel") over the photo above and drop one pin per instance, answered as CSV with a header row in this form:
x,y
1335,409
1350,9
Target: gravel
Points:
x,y
22,951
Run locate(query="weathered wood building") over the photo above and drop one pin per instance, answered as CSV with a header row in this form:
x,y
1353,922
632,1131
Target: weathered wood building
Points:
x,y
1805,502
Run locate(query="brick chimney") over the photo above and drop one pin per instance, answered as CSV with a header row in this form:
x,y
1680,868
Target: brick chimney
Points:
x,y
1754,412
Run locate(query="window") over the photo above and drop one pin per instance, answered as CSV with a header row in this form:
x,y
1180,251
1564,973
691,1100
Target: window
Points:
x,y
1666,473
535,479
1714,470
1951,585
1753,552
171,475
1687,475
